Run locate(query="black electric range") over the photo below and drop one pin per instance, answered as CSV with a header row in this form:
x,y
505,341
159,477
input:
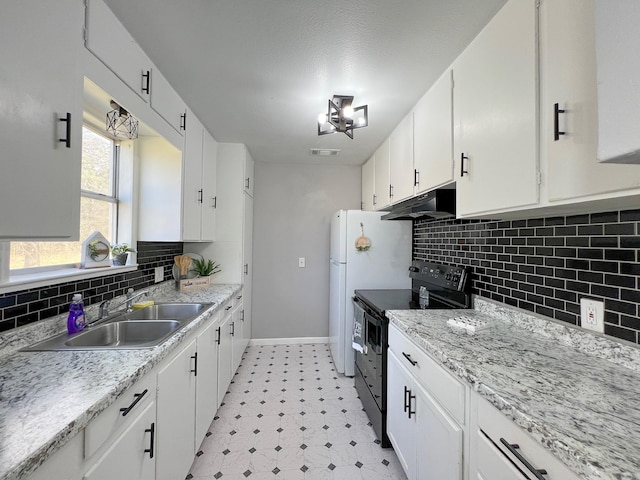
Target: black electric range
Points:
x,y
433,286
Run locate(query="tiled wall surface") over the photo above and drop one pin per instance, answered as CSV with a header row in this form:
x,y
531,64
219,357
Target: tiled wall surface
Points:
x,y
546,265
27,306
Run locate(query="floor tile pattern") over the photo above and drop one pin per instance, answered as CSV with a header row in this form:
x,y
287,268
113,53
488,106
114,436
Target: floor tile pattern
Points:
x,y
289,415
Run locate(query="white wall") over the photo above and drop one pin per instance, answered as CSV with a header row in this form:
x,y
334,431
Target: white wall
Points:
x,y
292,216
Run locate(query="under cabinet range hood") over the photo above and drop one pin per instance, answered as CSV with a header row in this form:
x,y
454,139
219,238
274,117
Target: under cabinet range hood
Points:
x,y
436,204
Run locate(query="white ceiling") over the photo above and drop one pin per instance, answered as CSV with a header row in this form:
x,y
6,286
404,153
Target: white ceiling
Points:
x,y
260,71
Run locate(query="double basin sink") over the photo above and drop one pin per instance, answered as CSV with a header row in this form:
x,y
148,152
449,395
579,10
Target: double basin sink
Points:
x,y
144,328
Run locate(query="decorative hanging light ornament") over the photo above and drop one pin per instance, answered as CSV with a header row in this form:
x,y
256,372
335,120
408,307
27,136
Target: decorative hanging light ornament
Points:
x,y
342,117
121,123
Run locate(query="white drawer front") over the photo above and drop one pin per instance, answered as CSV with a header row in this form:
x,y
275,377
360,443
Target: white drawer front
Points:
x,y
447,390
117,415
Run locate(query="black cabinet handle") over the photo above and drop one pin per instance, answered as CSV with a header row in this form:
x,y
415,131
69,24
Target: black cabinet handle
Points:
x,y
407,392
238,297
463,157
390,191
411,412
214,202
375,199
226,309
246,269
513,448
242,315
195,364
67,140
247,183
146,82
218,339
416,178
233,329
556,122
411,360
183,121
152,439
200,193
136,398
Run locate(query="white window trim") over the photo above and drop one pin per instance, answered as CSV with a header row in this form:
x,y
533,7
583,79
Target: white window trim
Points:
x,y
55,277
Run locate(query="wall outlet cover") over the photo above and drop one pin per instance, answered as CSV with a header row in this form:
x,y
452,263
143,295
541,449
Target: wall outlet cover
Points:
x,y
159,274
592,314
302,262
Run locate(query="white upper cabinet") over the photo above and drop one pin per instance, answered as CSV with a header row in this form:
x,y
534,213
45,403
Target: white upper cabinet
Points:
x,y
108,40
193,194
569,108
618,63
495,114
209,188
433,136
40,109
401,174
168,104
249,169
368,185
381,194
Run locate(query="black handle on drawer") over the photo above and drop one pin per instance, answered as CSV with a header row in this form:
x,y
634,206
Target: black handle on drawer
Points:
x,y
195,364
411,360
218,339
513,448
152,440
556,122
407,392
136,398
228,308
238,297
146,77
67,140
463,157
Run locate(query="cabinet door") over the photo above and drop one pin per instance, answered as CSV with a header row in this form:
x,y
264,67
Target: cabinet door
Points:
x,y
495,105
401,172
224,355
249,169
207,379
382,179
237,343
438,440
131,454
108,40
192,190
368,179
568,73
176,414
247,252
433,136
41,83
166,102
210,199
400,428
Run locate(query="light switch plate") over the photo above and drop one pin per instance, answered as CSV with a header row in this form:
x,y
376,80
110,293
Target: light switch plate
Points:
x,y
592,314
302,262
159,274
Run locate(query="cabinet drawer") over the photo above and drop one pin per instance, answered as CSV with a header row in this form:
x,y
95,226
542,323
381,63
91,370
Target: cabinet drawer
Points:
x,y
125,409
497,427
449,392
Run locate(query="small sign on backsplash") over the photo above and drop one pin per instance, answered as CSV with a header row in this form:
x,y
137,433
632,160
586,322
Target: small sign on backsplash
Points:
x,y
197,283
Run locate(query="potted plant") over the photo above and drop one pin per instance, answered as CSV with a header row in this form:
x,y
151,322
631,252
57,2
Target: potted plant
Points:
x,y
120,253
205,268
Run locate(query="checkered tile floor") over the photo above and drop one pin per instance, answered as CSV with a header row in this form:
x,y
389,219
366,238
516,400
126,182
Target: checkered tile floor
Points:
x,y
289,415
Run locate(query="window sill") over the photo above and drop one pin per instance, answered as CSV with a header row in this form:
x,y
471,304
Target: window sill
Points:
x,y
55,277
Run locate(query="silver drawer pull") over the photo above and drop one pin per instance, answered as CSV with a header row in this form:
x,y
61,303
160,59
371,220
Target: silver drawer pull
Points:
x,y
513,448
411,360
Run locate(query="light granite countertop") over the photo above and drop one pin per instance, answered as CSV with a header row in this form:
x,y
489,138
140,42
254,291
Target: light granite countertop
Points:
x,y
46,398
576,393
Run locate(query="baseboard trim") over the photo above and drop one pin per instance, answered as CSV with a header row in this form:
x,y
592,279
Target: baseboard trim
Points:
x,y
288,341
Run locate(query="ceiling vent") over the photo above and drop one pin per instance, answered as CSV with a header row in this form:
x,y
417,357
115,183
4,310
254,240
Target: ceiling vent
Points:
x,y
325,152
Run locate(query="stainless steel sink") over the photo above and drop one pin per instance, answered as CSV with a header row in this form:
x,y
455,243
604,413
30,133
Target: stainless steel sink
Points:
x,y
144,328
167,311
123,334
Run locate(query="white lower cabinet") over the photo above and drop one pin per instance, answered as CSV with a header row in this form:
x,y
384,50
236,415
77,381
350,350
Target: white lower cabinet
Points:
x,y
132,454
176,413
207,378
225,351
427,441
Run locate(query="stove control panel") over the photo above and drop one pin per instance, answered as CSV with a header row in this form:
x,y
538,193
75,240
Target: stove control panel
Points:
x,y
447,276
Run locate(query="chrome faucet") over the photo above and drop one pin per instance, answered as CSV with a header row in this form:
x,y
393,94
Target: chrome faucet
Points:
x,y
106,305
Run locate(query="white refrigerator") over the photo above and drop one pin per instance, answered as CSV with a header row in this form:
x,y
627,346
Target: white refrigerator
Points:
x,y
384,265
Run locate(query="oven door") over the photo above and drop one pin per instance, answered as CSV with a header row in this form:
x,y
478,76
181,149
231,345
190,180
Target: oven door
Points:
x,y
370,363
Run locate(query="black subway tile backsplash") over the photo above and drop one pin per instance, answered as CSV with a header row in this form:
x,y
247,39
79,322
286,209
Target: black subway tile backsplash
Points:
x,y
28,306
546,265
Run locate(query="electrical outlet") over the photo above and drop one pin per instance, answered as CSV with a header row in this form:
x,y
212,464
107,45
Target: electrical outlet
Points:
x,y
159,274
302,262
592,314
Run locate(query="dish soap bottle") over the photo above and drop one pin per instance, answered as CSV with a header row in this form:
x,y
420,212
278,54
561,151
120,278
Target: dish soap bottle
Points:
x,y
76,321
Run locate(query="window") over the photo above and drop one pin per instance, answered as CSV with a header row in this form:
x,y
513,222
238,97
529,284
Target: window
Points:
x,y
98,208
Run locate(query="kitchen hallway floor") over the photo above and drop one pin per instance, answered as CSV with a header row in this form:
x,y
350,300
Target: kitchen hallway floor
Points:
x,y
289,415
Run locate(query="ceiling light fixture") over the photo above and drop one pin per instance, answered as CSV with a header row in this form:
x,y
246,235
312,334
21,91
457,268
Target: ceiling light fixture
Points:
x,y
342,117
121,123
